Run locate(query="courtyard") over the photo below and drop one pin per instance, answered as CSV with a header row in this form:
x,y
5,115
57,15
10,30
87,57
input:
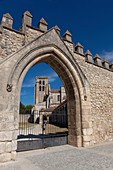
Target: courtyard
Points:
x,y
64,157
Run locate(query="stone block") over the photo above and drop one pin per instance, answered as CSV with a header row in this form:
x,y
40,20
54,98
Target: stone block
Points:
x,y
84,131
5,157
7,126
86,144
8,146
79,141
86,138
6,136
14,145
13,155
2,147
15,134
85,125
72,140
89,131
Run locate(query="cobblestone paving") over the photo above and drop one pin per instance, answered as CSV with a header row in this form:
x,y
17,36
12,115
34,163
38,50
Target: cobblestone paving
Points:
x,y
64,158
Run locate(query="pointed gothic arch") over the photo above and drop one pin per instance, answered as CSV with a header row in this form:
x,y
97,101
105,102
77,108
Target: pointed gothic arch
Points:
x,y
55,53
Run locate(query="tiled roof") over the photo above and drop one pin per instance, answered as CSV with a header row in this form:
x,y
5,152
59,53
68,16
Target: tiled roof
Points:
x,y
55,91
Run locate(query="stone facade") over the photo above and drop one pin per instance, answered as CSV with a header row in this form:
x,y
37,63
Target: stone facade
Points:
x,y
88,82
45,97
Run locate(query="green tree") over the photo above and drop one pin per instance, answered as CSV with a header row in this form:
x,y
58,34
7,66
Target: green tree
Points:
x,y
22,108
29,107
25,109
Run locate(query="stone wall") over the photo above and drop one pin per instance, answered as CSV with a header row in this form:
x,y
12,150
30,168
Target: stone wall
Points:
x,y
101,94
88,82
10,42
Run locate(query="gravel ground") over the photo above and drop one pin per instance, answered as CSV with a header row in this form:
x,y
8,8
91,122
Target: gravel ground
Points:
x,y
64,158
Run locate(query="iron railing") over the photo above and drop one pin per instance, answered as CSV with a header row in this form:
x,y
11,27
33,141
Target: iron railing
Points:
x,y
31,126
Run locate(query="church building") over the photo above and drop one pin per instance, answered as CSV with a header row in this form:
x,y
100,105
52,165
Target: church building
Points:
x,y
45,97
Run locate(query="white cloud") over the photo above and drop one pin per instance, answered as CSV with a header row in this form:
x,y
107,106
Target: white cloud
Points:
x,y
107,54
24,93
27,85
52,77
30,84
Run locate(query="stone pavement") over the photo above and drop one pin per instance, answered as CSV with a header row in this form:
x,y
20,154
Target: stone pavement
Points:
x,y
64,158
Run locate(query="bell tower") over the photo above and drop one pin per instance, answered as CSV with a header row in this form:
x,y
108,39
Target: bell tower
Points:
x,y
41,89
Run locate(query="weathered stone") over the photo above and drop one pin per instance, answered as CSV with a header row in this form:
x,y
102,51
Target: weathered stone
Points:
x,y
85,125
84,132
57,29
89,86
6,136
4,157
7,20
26,20
86,138
14,135
97,60
13,155
79,48
89,131
2,147
111,65
14,145
42,25
105,63
67,36
86,144
88,56
8,147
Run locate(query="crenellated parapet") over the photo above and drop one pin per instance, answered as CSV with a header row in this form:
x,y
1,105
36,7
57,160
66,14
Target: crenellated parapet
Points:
x,y
98,61
12,40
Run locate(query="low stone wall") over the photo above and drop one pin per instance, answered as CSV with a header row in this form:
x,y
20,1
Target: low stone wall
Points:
x,y
39,143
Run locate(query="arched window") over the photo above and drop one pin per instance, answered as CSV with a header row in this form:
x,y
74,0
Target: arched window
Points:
x,y
42,88
43,82
39,88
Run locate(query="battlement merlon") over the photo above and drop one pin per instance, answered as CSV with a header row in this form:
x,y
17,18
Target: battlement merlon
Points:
x,y
7,20
28,33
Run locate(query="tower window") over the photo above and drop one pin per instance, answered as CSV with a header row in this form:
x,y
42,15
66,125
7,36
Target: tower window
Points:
x,y
43,82
43,88
39,88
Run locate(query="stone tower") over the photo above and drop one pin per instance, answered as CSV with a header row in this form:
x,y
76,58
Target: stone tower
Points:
x,y
41,89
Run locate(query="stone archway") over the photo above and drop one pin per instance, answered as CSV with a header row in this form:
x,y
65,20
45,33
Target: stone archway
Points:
x,y
56,54
73,95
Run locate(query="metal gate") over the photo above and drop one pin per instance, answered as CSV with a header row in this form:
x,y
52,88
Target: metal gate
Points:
x,y
42,129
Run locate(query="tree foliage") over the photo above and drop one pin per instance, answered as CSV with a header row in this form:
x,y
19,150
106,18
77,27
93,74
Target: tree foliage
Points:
x,y
25,109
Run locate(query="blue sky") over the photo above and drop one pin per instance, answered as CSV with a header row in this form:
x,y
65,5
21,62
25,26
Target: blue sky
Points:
x,y
42,69
90,23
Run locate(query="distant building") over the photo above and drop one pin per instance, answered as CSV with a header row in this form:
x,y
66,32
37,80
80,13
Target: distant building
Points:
x,y
45,97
